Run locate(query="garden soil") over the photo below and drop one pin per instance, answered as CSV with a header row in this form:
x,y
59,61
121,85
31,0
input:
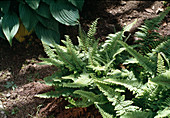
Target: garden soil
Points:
x,y
21,78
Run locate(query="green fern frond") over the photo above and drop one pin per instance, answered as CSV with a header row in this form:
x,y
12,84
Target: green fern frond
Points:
x,y
81,81
143,61
149,38
110,93
52,61
164,47
96,99
103,109
163,113
160,65
137,114
92,29
49,51
84,102
132,85
163,79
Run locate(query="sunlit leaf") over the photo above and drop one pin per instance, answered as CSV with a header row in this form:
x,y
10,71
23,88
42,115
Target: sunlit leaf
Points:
x,y
34,4
10,25
64,12
47,36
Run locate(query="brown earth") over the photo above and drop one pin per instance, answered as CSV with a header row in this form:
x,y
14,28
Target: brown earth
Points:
x,y
24,77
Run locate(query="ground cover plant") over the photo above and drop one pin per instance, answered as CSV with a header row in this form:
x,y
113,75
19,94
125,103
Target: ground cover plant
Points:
x,y
113,76
19,18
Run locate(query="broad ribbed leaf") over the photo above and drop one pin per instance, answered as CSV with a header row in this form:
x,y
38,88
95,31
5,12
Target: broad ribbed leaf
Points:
x,y
49,23
28,17
44,10
34,4
64,12
77,3
4,6
47,36
10,25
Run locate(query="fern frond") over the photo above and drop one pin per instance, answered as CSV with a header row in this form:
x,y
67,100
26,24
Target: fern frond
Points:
x,y
143,61
92,29
96,99
132,85
160,65
137,114
81,81
84,102
103,109
164,47
52,61
164,113
110,93
49,51
163,79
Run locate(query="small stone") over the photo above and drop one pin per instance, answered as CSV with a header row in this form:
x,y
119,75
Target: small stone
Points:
x,y
13,96
8,95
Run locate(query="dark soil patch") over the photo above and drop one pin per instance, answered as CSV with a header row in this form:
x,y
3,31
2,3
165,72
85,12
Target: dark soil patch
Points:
x,y
18,63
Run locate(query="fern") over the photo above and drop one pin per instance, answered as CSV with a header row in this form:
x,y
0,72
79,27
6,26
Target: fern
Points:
x,y
163,79
137,114
150,38
143,61
160,64
92,73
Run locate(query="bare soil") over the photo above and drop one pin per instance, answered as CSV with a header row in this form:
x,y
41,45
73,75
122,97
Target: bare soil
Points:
x,y
23,77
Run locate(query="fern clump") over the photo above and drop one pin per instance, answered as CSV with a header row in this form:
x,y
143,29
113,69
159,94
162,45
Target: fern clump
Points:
x,y
148,36
90,73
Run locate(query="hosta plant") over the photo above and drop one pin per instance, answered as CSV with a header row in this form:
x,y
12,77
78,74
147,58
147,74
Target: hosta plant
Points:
x,y
92,73
40,16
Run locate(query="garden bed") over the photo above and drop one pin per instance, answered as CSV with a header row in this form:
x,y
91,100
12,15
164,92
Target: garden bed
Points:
x,y
24,78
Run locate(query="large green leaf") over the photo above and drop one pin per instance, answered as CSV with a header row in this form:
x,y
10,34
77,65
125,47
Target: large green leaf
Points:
x,y
28,17
44,10
4,6
49,23
34,4
77,3
46,35
64,12
1,32
10,25
48,1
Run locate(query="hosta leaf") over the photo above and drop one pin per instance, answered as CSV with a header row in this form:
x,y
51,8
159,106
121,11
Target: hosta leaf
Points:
x,y
1,32
10,25
34,4
49,23
64,12
77,3
4,6
44,10
47,36
28,17
48,1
